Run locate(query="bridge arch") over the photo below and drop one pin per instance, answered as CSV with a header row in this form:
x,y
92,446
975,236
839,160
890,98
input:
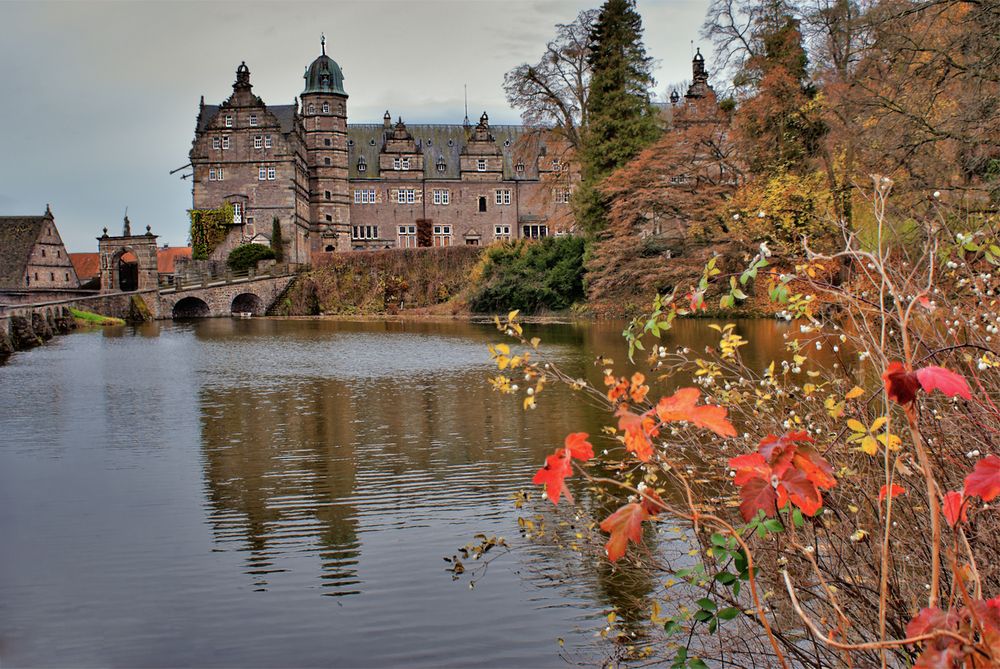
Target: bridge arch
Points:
x,y
248,303
191,307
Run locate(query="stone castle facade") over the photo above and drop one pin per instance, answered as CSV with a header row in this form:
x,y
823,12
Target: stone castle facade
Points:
x,y
335,186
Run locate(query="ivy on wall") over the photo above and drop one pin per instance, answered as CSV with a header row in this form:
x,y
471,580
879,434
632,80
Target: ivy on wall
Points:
x,y
208,228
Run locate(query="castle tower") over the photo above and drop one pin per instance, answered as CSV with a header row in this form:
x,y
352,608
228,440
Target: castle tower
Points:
x,y
324,111
699,87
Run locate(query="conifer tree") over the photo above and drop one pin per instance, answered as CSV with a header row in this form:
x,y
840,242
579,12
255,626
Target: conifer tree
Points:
x,y
277,243
621,120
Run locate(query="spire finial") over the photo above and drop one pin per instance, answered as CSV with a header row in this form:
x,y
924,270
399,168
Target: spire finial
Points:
x,y
322,42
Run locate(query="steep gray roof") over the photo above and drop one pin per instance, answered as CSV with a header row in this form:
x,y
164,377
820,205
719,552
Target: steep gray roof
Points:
x,y
442,140
18,235
284,113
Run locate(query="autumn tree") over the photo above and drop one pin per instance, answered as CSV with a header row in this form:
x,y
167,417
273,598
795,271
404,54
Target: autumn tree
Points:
x,y
553,91
621,121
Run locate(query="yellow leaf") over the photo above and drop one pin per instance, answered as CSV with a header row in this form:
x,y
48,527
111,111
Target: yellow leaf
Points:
x,y
535,341
808,388
812,375
854,392
852,508
879,423
834,408
502,361
512,315
612,617
503,349
890,441
529,402
856,425
869,445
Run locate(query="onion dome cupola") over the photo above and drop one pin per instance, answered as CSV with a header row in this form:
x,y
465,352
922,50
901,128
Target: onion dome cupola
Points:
x,y
324,75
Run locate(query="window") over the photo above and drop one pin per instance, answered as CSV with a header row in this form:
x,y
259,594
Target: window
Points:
x,y
442,196
362,165
364,232
327,142
472,241
258,142
399,163
326,107
329,248
503,196
482,203
519,168
261,173
407,237
441,165
442,235
229,121
561,195
329,218
43,253
481,165
215,142
225,142
327,161
253,119
407,196
215,174
366,196
327,195
52,276
556,165
67,276
218,174
534,231
312,109
267,141
271,173
237,213
501,231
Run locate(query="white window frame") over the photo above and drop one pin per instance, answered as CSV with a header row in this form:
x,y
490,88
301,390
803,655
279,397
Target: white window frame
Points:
x,y
442,196
364,232
357,197
229,121
216,142
556,165
503,196
326,107
481,165
258,142
562,195
271,173
406,236
267,142
406,196
534,230
261,173
225,143
441,235
253,120
237,213
211,174
501,231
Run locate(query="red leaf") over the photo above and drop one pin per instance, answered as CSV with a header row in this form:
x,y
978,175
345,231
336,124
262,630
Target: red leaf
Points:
x,y
579,447
931,619
816,468
984,481
553,474
900,385
953,509
758,495
896,491
623,525
751,465
683,406
652,502
948,382
802,491
933,657
638,430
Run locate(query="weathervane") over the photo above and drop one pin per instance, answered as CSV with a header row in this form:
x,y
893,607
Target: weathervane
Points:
x,y
322,42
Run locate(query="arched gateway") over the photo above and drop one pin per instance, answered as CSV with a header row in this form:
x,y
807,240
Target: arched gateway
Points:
x,y
128,262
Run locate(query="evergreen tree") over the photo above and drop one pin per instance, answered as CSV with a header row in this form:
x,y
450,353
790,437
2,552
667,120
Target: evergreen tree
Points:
x,y
621,119
277,243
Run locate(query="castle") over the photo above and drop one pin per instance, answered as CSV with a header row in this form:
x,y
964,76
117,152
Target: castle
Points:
x,y
334,186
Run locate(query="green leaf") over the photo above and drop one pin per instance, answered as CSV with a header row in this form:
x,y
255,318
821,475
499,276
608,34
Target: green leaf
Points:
x,y
712,625
728,613
773,525
725,578
702,615
797,518
671,626
696,663
706,604
736,588
718,540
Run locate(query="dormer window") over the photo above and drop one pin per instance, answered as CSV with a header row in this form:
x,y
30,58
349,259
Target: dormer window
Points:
x,y
519,168
229,121
399,163
253,119
441,165
362,165
556,166
481,165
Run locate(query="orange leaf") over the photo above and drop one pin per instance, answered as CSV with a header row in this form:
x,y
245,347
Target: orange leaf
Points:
x,y
553,475
895,491
623,525
579,447
638,430
683,406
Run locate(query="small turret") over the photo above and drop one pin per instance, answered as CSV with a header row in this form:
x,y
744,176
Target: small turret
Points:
x,y
387,120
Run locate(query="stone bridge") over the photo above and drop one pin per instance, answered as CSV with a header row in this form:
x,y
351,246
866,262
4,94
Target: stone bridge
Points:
x,y
222,297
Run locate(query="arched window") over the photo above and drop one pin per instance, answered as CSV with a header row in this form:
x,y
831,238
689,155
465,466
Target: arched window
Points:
x,y
312,109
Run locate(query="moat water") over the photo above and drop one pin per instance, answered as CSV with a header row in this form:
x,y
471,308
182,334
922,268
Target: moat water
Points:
x,y
263,493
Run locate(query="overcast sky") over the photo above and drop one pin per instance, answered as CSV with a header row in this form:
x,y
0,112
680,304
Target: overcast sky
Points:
x,y
99,99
